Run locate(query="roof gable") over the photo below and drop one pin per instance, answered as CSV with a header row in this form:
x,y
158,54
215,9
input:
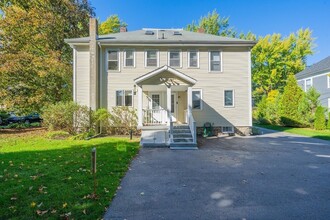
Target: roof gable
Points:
x,y
317,68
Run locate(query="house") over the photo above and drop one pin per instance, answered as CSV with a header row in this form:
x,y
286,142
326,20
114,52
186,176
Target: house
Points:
x,y
176,80
318,76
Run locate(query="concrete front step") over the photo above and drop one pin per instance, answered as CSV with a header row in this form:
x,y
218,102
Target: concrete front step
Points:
x,y
179,140
181,127
176,131
183,146
182,135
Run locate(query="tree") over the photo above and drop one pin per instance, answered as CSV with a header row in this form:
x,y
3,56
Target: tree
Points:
x,y
35,62
275,57
213,23
291,98
328,124
313,96
111,25
319,123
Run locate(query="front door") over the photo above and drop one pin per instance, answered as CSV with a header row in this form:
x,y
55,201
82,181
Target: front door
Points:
x,y
156,113
174,107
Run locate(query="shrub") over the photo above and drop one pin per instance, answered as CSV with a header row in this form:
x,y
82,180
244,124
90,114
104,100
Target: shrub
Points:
x,y
68,116
18,125
35,124
122,120
102,118
328,125
58,135
291,98
319,123
83,136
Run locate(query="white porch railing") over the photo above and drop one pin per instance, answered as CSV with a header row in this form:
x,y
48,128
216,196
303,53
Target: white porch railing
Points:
x,y
154,116
192,125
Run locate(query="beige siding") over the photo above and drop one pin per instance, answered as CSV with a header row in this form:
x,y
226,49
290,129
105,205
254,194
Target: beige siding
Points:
x,y
235,76
82,76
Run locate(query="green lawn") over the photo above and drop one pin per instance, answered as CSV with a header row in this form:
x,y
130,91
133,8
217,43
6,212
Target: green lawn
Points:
x,y
42,178
324,134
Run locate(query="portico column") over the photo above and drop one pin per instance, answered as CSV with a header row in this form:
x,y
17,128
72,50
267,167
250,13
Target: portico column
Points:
x,y
168,96
189,101
140,103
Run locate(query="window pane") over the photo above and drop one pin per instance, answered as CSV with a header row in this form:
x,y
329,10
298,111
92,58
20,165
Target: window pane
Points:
x,y
215,56
196,99
113,55
128,98
193,59
151,54
229,98
175,55
215,66
112,65
129,54
119,97
151,62
129,62
175,58
155,101
174,62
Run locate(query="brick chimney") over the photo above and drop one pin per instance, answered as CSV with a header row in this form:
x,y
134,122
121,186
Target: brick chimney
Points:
x,y
201,30
93,64
123,29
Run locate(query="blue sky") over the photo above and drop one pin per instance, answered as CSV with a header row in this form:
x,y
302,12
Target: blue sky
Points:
x,y
261,17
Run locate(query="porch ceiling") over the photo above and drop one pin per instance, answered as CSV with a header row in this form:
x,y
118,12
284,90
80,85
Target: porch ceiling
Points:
x,y
156,88
165,76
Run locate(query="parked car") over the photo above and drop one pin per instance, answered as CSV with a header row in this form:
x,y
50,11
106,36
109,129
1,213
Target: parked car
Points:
x,y
13,118
31,118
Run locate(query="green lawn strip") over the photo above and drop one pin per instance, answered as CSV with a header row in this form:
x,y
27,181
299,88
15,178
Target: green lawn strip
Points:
x,y
322,134
52,177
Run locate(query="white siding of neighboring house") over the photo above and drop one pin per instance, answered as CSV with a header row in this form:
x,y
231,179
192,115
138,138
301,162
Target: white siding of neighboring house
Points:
x,y
82,85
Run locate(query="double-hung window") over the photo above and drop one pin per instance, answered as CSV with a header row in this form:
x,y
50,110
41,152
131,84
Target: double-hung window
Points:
x,y
124,98
151,58
308,84
113,60
215,61
193,59
129,58
229,98
197,99
174,58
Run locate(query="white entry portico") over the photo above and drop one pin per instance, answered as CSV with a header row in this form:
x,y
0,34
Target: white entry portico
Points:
x,y
169,100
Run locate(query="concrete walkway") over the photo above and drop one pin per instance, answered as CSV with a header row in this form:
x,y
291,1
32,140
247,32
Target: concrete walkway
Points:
x,y
272,176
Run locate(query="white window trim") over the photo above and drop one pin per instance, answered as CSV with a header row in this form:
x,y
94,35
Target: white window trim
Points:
x,y
145,58
124,91
188,59
168,57
224,99
328,81
125,58
305,86
107,60
221,63
201,101
328,104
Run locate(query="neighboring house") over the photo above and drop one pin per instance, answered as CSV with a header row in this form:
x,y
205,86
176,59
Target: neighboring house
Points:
x,y
318,76
171,77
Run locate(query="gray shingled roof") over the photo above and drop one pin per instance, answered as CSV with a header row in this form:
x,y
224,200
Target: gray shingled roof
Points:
x,y
318,68
139,37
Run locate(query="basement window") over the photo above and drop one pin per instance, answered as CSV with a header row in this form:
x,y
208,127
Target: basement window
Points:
x,y
228,129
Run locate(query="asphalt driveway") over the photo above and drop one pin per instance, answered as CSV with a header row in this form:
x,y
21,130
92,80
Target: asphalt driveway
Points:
x,y
272,176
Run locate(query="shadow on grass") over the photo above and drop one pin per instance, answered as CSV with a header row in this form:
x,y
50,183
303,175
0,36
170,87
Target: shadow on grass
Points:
x,y
59,181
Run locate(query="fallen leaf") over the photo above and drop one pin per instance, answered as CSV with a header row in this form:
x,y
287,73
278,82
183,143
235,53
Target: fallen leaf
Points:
x,y
40,213
13,198
65,205
53,211
40,204
33,204
84,211
30,188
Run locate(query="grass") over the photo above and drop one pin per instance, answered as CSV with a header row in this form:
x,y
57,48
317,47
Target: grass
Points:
x,y
320,134
42,178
